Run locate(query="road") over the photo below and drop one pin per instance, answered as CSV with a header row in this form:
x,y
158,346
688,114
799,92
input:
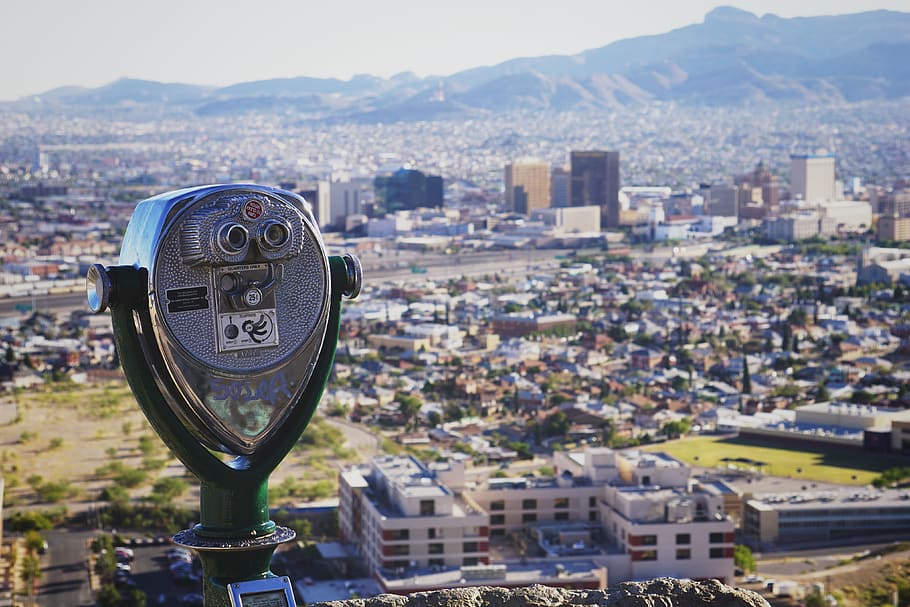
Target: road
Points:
x,y
389,268
64,573
397,266
358,438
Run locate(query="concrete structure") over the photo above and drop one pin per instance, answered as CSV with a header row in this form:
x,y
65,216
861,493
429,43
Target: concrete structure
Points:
x,y
346,197
560,182
791,228
570,219
896,204
595,181
894,228
845,415
721,200
848,215
812,176
527,186
320,199
885,272
626,515
399,515
882,265
810,518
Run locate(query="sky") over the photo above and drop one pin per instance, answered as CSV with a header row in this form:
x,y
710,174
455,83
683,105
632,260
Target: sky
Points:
x,y
46,44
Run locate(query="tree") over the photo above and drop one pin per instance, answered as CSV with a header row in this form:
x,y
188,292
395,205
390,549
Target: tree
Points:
x,y
31,571
861,397
747,379
434,418
34,541
167,489
675,429
798,316
137,598
786,335
409,407
109,596
743,558
822,395
556,424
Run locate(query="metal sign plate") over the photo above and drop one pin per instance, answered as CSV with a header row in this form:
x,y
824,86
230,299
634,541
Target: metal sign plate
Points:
x,y
270,592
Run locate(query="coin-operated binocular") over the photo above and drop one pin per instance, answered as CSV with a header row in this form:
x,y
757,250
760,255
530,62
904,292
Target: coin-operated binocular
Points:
x,y
226,311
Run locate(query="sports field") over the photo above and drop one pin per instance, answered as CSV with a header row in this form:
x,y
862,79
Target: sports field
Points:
x,y
812,462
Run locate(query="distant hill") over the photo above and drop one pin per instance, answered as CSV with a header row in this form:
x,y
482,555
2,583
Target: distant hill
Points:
x,y
732,58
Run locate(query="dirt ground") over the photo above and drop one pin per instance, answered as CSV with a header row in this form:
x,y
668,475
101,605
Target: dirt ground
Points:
x,y
850,575
67,432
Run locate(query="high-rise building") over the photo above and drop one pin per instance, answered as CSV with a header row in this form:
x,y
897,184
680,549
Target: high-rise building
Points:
x,y
895,204
595,181
408,189
321,201
892,227
527,186
812,176
560,178
345,199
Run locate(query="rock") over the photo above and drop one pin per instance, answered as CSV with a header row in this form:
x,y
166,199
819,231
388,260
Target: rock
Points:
x,y
661,592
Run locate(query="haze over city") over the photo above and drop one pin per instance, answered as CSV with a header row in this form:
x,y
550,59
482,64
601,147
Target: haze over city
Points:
x,y
635,301
59,43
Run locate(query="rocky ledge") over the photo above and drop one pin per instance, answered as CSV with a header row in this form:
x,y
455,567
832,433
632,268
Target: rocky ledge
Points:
x,y
662,592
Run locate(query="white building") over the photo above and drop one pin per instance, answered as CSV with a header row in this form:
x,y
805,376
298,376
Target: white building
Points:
x,y
633,514
346,198
849,215
812,176
400,516
570,219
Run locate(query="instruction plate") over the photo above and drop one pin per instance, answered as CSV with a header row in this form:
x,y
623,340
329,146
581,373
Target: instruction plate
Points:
x,y
247,330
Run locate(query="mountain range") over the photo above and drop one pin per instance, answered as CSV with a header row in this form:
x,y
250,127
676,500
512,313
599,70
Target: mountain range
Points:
x,y
732,58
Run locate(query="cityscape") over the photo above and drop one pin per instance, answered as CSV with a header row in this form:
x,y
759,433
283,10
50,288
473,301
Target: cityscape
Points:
x,y
593,346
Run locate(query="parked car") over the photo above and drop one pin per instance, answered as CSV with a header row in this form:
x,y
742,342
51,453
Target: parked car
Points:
x,y
121,552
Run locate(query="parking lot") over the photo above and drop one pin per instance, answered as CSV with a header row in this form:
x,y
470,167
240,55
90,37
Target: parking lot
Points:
x,y
150,573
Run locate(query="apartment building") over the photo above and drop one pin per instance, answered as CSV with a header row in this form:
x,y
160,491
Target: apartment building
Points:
x,y
400,515
623,515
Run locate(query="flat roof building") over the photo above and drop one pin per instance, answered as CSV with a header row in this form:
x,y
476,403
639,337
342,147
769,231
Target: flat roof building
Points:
x,y
630,515
811,518
527,186
812,176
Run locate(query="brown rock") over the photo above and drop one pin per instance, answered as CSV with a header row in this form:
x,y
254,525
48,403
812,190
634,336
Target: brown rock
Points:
x,y
662,592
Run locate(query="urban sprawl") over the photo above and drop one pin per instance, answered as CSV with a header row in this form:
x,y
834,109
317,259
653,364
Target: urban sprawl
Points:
x,y
542,317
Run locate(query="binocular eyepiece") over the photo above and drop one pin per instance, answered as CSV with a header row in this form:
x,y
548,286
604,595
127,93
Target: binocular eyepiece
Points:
x,y
238,297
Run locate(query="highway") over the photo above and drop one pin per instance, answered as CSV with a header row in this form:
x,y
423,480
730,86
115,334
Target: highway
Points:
x,y
406,267
389,268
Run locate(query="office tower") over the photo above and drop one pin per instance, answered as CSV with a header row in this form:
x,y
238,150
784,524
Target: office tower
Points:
x,y
408,189
527,186
895,204
345,199
595,181
895,228
722,200
321,201
812,176
560,179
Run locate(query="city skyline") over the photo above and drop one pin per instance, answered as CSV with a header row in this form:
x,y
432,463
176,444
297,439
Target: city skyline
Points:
x,y
99,41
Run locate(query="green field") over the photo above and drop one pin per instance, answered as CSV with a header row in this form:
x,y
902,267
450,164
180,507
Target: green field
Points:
x,y
813,462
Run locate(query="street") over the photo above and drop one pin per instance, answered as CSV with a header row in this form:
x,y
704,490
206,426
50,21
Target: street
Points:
x,y
64,573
